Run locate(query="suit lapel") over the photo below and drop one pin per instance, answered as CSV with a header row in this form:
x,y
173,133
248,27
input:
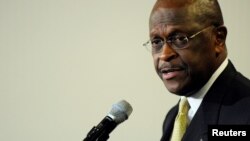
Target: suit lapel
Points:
x,y
169,123
207,114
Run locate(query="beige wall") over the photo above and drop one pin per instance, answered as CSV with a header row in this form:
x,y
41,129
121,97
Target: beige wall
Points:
x,y
65,62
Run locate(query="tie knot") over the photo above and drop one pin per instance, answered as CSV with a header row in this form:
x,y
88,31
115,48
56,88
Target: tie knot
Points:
x,y
183,106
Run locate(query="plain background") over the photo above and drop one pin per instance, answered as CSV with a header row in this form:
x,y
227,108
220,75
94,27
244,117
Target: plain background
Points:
x,y
63,63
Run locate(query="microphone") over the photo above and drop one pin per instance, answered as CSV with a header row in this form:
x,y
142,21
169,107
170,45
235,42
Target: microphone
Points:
x,y
119,113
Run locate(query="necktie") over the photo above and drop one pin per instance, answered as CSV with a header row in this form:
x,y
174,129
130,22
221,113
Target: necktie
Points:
x,y
181,120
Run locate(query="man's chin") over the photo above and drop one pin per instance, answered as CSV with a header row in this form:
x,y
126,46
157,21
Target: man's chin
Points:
x,y
181,92
178,90
174,91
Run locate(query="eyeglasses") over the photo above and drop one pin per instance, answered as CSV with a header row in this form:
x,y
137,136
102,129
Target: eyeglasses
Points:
x,y
176,41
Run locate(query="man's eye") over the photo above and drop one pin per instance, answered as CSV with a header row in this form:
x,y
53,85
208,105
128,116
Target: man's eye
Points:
x,y
156,42
179,40
179,37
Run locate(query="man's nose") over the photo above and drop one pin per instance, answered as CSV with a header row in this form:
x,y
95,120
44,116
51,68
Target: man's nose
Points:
x,y
168,53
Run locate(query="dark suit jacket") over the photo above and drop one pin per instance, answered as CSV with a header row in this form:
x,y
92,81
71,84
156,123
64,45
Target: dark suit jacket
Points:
x,y
226,102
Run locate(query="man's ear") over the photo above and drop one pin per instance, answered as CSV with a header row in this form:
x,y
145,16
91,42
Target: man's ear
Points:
x,y
221,34
220,39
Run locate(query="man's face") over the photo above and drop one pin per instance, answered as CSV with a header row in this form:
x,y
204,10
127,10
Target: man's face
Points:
x,y
183,71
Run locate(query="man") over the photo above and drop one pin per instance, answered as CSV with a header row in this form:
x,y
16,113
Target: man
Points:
x,y
187,40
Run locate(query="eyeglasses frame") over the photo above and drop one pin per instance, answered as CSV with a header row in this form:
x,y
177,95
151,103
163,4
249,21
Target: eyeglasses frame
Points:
x,y
190,37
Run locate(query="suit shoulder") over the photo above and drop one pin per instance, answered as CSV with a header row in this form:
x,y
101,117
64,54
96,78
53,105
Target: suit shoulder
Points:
x,y
241,84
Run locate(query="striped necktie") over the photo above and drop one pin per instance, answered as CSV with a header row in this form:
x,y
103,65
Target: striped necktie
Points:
x,y
181,120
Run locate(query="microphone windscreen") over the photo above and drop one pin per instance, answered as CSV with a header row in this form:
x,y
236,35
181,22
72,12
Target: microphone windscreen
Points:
x,y
120,111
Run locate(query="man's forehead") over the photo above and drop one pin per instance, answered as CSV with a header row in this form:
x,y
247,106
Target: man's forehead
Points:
x,y
170,16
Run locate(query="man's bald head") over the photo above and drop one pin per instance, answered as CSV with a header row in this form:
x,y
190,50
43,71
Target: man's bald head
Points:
x,y
172,3
203,11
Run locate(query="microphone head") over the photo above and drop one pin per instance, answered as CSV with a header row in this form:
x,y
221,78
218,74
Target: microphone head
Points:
x,y
120,111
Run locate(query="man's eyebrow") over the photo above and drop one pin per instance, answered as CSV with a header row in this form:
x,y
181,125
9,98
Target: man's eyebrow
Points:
x,y
173,32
